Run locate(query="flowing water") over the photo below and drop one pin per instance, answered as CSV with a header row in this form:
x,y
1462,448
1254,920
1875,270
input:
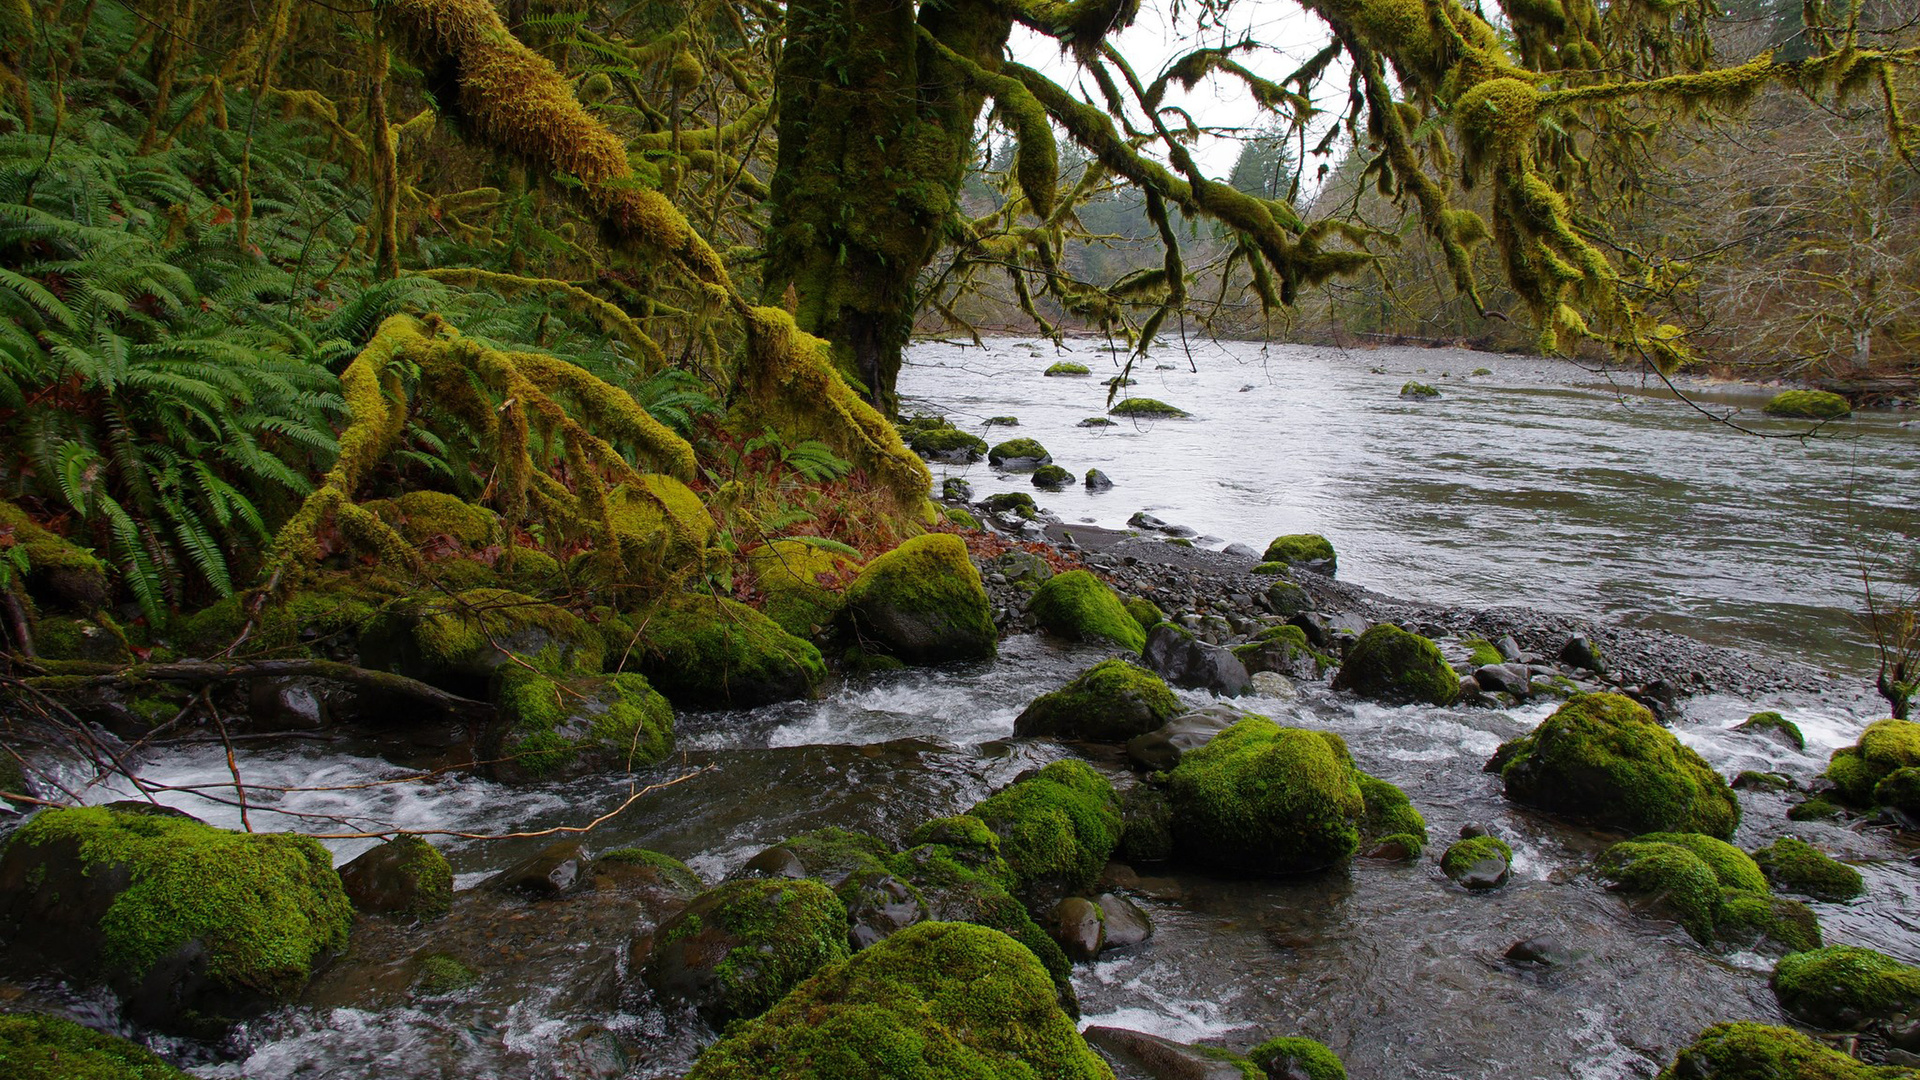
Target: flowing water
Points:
x,y
1539,483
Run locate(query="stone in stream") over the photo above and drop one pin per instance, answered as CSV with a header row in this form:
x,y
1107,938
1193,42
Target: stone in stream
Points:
x,y
1079,926
954,489
1098,481
550,873
1603,758
1745,1050
1019,455
1052,478
1309,551
1164,1059
1184,660
1079,606
1390,665
711,652
1113,701
1143,520
404,876
41,1047
1775,728
739,947
1294,1058
1479,863
1057,827
923,603
1505,678
553,729
1847,988
1126,923
1796,866
1546,951
1160,750
1713,889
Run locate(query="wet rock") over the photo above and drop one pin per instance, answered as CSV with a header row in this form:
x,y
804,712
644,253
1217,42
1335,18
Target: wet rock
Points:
x,y
1079,926
1019,455
1147,816
547,874
740,946
1162,1059
1079,606
879,905
1474,828
1017,503
1581,652
1846,988
708,652
1240,551
955,490
1282,650
1309,551
1388,664
1750,1051
1098,481
404,876
1479,863
1796,866
1274,685
1509,648
1295,1058
1112,701
592,1052
1052,478
659,879
1184,660
1505,678
1144,520
1126,923
1160,750
286,705
1546,951
1774,728
1057,828
774,862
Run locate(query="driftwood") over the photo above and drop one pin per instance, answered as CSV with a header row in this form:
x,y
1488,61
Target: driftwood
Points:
x,y
73,676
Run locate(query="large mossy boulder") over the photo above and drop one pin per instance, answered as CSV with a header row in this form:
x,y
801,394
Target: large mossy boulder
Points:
x,y
1264,799
453,641
1604,758
405,877
1113,701
189,924
1309,550
1295,1058
1795,866
1846,987
440,525
803,582
1057,827
35,1047
660,526
1079,606
552,728
324,616
947,444
934,1001
1711,888
1749,1051
923,603
1886,747
709,652
1808,405
739,947
60,575
1391,665
1019,455
859,869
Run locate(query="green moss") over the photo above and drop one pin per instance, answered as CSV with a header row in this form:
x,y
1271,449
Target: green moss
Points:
x,y
328,613
775,933
1729,902
1887,745
1292,1056
956,865
612,723
1015,449
803,583
1017,502
472,632
441,973
1393,665
1817,808
1144,611
1604,757
962,518
1753,780
49,1048
672,870
1096,421
704,651
932,1002
1148,828
1482,371
924,603
1269,568
439,523
1752,920
94,638
1843,986
1853,780
660,526
1068,367
1301,548
1485,653
1899,789
1749,1051
1418,390
1808,405
1678,877
421,873
1463,854
1762,723
1734,868
1052,477
947,444
265,907
1145,407
1002,421
59,573
1057,829
1110,702
1267,799
1796,866
1390,814
1080,606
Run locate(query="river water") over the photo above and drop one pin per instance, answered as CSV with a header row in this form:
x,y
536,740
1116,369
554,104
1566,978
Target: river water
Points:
x,y
1537,483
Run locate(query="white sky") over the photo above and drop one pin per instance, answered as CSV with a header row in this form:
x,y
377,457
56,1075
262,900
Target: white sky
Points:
x,y
1288,34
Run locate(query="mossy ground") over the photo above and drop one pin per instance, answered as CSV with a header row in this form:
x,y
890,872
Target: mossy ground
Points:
x,y
34,1047
1393,665
1080,606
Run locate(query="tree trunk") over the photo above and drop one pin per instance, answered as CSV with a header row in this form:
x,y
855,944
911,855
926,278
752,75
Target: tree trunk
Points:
x,y
875,136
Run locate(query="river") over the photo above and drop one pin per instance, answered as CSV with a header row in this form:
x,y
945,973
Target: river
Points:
x,y
1537,483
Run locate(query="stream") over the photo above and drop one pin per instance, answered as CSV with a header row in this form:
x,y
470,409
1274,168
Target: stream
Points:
x,y
1539,483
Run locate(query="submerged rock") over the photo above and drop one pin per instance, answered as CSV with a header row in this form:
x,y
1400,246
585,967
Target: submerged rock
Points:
x,y
553,871
1603,757
740,946
1079,606
1394,666
405,876
923,602
938,999
1110,702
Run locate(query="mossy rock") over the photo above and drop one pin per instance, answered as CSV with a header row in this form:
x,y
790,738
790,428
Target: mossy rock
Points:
x,y
1418,391
1052,478
1391,665
439,974
1604,758
804,582
60,575
739,947
1096,421
1110,702
1750,1051
1712,888
326,616
962,518
1264,799
1067,367
936,1000
1899,790
438,524
947,444
452,641
1010,502
923,602
1749,920
1144,611
188,923
1019,454
1147,408
35,1047
1079,606
1771,725
660,526
1817,808
552,728
1845,987
1390,817
1795,866
1483,653
1294,1057
1305,549
1147,831
1269,569
1469,861
1808,405
94,638
1885,747
1002,421
709,652
661,871
406,876
1853,781
1057,828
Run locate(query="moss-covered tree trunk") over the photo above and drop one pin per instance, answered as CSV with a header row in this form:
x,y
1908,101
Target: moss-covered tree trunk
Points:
x,y
875,134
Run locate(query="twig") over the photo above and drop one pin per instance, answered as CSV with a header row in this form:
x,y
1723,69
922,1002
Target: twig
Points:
x,y
233,764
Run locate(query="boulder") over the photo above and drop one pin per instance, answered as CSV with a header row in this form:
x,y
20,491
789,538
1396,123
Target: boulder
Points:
x,y
1146,408
1711,888
710,652
1161,749
1067,367
741,946
1079,606
1294,1058
1125,923
190,925
1147,825
923,603
1282,650
1581,652
659,525
937,999
947,444
1479,863
1098,481
555,728
39,1047
1051,478
1022,568
1775,728
552,872
457,641
1796,866
1603,757
803,582
861,870
1394,666
1079,926
1808,405
651,874
1750,1051
1056,827
406,876
1418,391
1885,748
1163,1059
1184,660
1113,701
1260,798
1019,455
1846,987
1286,599
1310,551
1503,678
